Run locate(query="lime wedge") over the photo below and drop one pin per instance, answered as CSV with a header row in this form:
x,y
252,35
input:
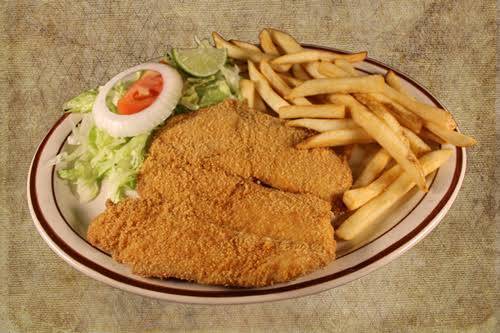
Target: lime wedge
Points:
x,y
200,62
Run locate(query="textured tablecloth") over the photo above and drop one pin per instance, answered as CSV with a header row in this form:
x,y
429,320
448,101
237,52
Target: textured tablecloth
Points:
x,y
52,50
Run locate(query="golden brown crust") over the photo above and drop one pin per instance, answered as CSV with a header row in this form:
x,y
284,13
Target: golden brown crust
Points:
x,y
160,240
251,144
204,214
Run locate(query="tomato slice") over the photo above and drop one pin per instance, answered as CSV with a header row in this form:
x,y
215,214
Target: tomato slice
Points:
x,y
141,93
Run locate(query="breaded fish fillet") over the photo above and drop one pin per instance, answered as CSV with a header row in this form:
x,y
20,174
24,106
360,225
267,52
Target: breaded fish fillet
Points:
x,y
240,203
250,144
204,215
162,240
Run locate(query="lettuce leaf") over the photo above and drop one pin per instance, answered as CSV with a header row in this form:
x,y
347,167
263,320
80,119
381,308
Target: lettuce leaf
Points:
x,y
100,156
82,103
203,92
232,77
95,155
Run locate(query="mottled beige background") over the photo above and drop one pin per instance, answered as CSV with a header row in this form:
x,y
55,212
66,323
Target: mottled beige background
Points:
x,y
51,50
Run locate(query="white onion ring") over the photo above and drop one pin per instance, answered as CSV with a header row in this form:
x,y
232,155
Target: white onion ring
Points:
x,y
144,121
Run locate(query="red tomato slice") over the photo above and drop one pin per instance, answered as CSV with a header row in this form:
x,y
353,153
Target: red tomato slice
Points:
x,y
141,94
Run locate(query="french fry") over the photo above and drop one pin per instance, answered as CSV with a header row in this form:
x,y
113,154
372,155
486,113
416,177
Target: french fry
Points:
x,y
455,138
403,115
355,198
312,111
236,52
369,83
247,90
289,45
267,44
347,151
406,118
290,80
386,121
389,140
424,111
395,82
300,101
316,55
347,67
300,73
344,99
380,110
331,70
323,125
245,45
390,120
286,42
367,214
259,103
274,79
336,138
358,153
312,69
279,84
373,168
265,91
429,136
417,145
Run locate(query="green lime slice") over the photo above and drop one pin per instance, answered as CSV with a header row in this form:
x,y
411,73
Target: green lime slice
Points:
x,y
200,62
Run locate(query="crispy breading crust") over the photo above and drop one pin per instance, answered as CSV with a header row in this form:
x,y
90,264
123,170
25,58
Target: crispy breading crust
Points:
x,y
204,215
160,240
251,144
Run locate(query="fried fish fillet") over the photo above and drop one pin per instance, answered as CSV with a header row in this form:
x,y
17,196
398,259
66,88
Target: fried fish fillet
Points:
x,y
215,228
250,144
204,214
159,239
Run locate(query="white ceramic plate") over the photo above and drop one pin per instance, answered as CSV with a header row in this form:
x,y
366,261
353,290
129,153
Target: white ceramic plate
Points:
x,y
62,222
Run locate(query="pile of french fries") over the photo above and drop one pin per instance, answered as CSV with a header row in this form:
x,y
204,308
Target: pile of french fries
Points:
x,y
323,91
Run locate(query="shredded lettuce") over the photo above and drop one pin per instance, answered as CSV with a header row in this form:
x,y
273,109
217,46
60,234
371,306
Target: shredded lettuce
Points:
x,y
214,93
82,103
127,160
95,155
202,92
232,77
